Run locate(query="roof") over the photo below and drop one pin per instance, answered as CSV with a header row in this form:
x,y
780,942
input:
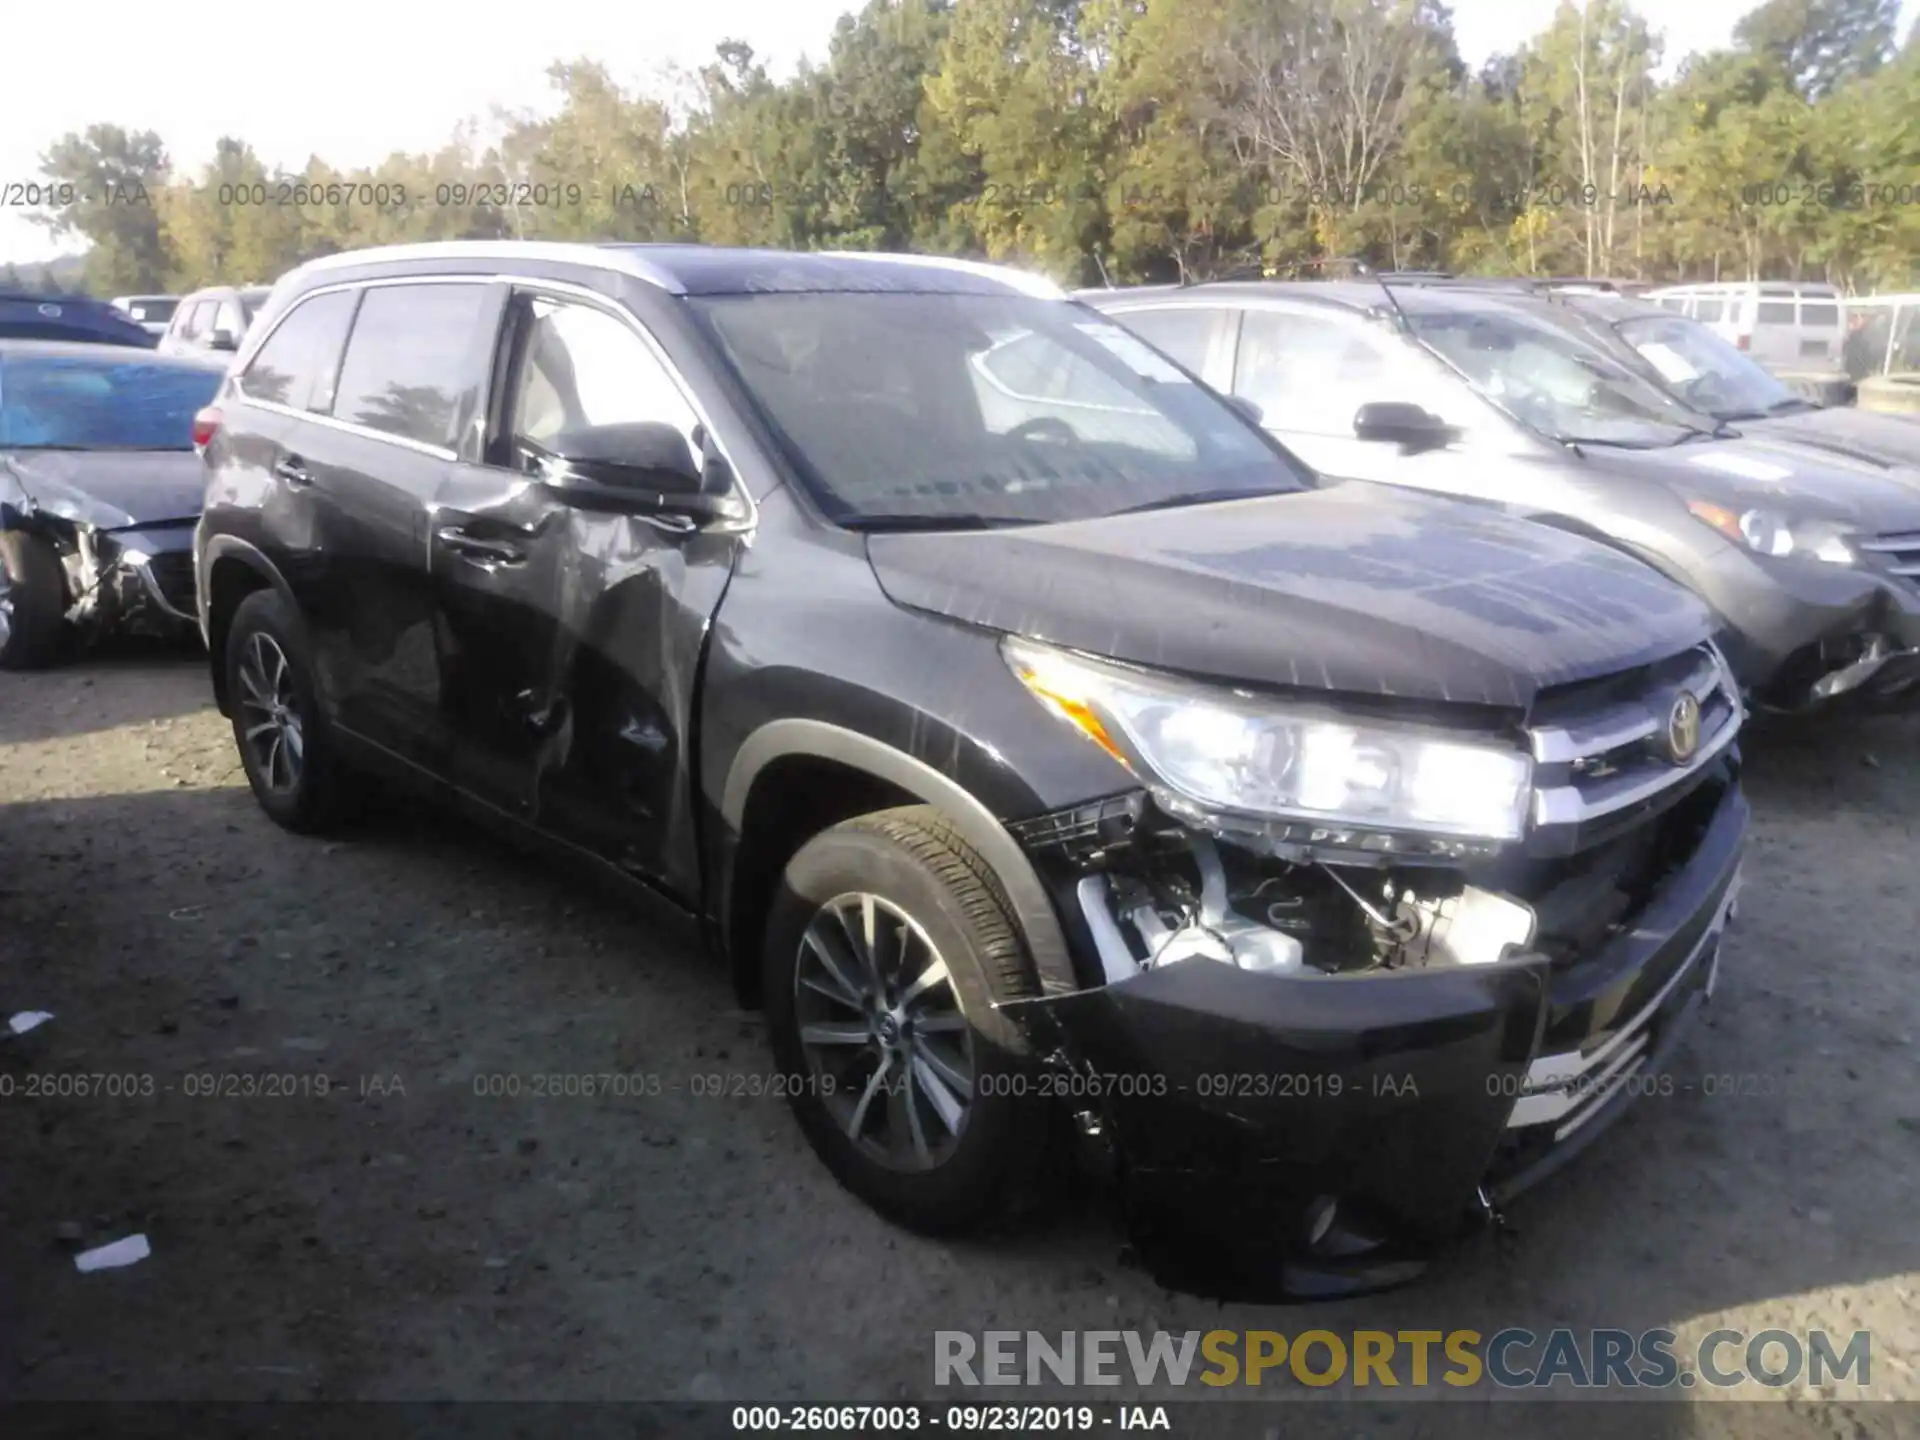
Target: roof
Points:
x,y
67,317
719,270
1367,295
95,350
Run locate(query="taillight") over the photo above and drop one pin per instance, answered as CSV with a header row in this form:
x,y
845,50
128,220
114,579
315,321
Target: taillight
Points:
x,y
206,425
1743,342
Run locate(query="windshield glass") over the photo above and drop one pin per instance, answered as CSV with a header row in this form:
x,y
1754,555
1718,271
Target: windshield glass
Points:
x,y
1705,371
84,403
910,409
1558,384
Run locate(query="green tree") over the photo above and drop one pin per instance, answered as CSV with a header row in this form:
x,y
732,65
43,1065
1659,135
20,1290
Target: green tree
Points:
x,y
113,175
1820,44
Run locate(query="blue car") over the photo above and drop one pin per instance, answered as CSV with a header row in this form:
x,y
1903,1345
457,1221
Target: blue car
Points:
x,y
68,317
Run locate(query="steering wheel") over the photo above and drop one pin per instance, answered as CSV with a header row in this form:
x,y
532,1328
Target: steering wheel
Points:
x,y
1050,428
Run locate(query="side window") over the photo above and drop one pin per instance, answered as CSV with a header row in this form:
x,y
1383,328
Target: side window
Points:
x,y
415,361
1823,313
1776,312
1707,311
297,365
1311,373
191,317
1184,332
580,367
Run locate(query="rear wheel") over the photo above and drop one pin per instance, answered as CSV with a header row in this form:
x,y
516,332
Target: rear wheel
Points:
x,y
282,736
887,948
33,602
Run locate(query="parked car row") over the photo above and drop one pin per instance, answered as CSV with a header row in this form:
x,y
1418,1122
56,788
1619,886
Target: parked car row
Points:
x,y
1292,727
1801,536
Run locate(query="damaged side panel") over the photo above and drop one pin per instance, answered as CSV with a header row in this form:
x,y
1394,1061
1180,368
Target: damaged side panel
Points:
x,y
569,642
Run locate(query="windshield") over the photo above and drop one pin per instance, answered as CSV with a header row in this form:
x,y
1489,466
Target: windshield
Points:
x,y
84,403
1705,371
928,410
1558,384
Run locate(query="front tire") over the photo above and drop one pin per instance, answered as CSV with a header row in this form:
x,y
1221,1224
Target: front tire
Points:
x,y
285,746
33,602
887,947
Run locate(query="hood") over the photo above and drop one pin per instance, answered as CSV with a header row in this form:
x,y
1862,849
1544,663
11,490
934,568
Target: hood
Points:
x,y
1889,440
107,489
1801,481
1345,588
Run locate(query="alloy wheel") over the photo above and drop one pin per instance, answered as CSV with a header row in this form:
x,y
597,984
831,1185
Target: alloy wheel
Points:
x,y
272,730
887,1047
6,607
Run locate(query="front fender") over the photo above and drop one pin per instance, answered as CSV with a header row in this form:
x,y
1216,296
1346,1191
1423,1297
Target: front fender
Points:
x,y
779,739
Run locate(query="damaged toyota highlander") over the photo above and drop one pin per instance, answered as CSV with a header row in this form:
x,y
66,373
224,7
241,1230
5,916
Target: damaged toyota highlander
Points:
x,y
1056,761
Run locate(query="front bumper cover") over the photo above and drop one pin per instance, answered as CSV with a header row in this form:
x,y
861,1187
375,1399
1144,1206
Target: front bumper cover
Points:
x,y
1790,625
1277,1136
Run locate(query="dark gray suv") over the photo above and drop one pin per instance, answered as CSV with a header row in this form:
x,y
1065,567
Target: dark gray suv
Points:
x,y
1049,753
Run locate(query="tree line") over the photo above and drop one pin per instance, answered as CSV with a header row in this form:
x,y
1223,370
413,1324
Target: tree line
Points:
x,y
1126,140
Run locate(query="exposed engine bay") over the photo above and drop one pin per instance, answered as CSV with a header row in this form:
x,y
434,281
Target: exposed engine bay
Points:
x,y
1168,893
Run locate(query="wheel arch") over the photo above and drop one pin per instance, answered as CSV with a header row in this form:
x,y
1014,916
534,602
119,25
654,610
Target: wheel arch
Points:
x,y
854,774
231,570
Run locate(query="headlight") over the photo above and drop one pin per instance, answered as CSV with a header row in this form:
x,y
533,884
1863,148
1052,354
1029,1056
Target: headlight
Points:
x,y
1766,532
1224,751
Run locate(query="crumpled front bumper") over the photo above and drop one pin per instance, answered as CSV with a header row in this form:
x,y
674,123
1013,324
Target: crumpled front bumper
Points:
x,y
1801,634
1320,1135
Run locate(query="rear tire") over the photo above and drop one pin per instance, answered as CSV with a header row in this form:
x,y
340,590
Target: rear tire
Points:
x,y
33,602
285,745
953,1133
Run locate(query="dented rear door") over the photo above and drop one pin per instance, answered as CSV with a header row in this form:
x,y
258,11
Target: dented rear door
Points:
x,y
570,638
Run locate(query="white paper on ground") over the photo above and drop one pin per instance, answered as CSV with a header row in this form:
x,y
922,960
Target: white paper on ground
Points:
x,y
112,1256
28,1020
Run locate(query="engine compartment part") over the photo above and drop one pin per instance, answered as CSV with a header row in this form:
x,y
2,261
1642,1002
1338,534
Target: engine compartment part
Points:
x,y
1181,899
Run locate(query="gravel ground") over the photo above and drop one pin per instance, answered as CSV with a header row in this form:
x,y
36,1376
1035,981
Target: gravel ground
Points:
x,y
404,1237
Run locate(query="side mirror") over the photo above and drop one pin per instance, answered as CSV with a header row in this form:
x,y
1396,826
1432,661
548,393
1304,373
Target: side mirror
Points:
x,y
1246,407
643,467
1401,423
222,340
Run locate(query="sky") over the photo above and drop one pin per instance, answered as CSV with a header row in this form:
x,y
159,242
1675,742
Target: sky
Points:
x,y
359,79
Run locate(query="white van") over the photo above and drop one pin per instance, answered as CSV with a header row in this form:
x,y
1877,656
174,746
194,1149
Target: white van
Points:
x,y
1784,324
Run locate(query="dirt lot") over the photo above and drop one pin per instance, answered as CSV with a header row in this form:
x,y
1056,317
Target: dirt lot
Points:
x,y
403,1236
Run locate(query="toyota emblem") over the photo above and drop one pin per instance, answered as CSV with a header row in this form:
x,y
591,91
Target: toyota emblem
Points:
x,y
1683,728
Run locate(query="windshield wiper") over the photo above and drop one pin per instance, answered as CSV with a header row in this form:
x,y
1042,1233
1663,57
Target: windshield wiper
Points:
x,y
1792,405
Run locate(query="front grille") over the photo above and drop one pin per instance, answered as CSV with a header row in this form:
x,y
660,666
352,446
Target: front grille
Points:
x,y
1895,554
172,576
1605,752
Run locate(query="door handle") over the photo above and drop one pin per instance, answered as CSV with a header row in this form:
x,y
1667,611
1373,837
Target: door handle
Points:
x,y
486,552
294,471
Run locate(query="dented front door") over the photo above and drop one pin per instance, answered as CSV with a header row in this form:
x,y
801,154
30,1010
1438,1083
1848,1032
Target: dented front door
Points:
x,y
570,638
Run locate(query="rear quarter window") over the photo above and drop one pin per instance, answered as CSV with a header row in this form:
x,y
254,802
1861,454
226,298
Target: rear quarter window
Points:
x,y
297,365
1823,315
